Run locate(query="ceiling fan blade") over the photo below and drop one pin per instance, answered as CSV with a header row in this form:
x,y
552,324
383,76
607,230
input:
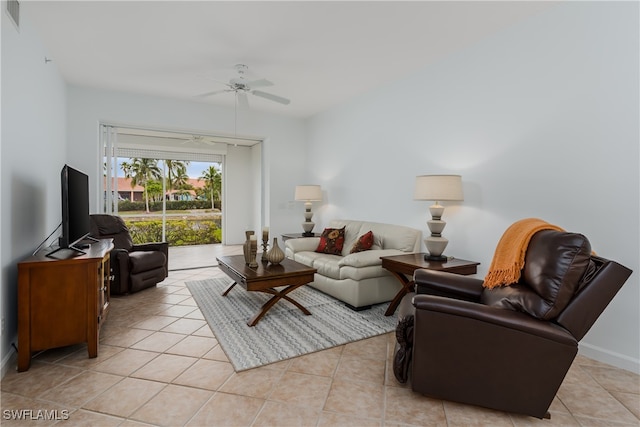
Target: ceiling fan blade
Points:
x,y
213,79
243,101
260,83
215,92
271,97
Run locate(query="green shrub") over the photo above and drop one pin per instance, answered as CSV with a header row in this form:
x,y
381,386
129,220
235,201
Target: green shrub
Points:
x,y
145,231
180,232
172,205
126,205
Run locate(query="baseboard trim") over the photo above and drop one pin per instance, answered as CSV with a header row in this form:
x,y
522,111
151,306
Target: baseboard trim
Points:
x,y
9,361
610,357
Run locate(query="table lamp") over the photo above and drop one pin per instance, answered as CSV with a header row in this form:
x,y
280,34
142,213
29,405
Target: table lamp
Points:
x,y
308,194
437,188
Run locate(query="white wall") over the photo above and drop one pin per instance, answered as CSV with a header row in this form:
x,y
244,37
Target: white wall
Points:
x,y
541,120
88,107
32,155
241,200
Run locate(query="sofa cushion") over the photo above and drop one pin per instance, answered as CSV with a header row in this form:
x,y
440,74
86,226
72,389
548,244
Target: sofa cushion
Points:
x,y
328,265
555,262
363,273
367,258
331,241
307,257
364,243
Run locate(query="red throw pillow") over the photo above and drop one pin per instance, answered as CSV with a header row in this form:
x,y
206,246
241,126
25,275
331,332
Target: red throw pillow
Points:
x,y
331,241
363,243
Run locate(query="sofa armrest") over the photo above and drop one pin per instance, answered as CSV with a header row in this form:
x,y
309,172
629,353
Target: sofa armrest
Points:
x,y
367,258
446,284
304,244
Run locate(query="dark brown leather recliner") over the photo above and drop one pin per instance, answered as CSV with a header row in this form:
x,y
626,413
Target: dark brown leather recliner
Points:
x,y
506,348
134,266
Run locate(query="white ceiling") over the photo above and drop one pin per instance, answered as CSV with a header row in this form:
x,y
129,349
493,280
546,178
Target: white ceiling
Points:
x,y
318,54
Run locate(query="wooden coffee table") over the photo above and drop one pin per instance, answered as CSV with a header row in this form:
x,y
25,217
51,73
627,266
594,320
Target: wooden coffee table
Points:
x,y
266,278
403,266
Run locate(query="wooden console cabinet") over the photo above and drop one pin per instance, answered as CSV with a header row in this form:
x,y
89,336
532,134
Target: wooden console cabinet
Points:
x,y
62,301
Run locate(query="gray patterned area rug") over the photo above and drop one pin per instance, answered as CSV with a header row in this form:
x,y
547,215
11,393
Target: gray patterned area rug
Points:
x,y
284,332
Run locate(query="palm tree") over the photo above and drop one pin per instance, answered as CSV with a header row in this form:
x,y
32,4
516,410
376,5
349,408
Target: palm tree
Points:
x,y
176,173
142,172
213,180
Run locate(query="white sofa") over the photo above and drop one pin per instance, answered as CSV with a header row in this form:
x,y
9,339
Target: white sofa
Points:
x,y
357,279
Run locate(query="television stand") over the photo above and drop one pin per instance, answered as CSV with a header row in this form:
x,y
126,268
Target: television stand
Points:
x,y
62,301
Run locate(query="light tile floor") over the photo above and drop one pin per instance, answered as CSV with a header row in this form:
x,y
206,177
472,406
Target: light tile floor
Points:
x,y
159,364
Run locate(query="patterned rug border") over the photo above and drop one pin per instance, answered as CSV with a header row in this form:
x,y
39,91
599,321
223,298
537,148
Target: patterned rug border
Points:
x,y
284,332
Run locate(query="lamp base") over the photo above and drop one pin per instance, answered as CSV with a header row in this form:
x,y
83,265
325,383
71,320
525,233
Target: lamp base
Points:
x,y
307,226
428,257
308,234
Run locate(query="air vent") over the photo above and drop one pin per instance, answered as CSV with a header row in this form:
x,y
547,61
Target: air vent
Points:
x,y
13,9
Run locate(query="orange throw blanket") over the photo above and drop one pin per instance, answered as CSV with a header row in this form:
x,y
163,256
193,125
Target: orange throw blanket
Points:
x,y
508,258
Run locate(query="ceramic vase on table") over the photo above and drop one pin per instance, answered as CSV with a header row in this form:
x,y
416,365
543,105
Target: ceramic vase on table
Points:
x,y
275,254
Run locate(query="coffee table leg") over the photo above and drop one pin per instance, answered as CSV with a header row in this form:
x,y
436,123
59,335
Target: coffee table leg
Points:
x,y
407,286
277,296
226,291
297,304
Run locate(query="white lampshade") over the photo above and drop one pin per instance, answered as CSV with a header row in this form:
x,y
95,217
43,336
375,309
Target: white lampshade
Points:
x,y
308,193
438,188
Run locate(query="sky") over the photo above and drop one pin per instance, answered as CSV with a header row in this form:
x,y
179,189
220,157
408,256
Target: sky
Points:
x,y
195,169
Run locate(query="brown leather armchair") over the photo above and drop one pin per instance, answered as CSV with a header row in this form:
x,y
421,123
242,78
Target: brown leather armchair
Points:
x,y
134,266
506,348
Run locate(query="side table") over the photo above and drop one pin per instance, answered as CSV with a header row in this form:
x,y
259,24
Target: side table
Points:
x,y
288,236
403,266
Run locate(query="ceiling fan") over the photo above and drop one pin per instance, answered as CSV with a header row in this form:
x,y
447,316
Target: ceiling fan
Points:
x,y
198,139
241,86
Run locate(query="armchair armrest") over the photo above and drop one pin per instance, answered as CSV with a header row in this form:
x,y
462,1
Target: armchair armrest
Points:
x,y
120,269
151,246
450,285
503,321
120,254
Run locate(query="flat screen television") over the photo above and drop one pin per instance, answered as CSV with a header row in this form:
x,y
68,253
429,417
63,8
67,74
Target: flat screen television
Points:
x,y
75,208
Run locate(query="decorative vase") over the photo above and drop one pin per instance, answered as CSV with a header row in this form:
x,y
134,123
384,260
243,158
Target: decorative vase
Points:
x,y
253,250
275,254
265,244
246,248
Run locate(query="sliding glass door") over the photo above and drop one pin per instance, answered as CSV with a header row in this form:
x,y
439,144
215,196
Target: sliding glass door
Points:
x,y
163,195
171,186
